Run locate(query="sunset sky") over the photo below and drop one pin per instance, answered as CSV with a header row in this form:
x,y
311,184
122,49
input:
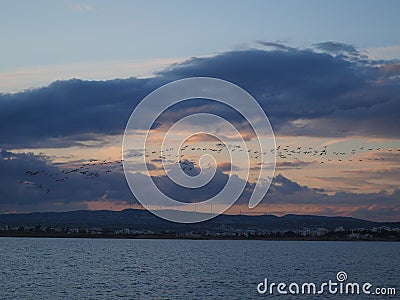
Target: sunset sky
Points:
x,y
327,75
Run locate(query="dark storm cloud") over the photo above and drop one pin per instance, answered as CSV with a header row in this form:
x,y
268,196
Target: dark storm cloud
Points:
x,y
308,93
373,206
382,206
303,92
77,190
284,190
68,112
19,190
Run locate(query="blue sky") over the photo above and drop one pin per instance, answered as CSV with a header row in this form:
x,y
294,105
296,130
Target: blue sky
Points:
x,y
67,39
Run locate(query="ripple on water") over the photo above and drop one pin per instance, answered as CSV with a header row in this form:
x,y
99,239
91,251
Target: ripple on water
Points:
x,y
181,269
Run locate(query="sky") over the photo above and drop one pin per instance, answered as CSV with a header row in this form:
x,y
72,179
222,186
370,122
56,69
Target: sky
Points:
x,y
45,40
326,74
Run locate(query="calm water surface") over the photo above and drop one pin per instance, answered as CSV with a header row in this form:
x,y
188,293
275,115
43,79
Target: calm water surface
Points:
x,y
39,268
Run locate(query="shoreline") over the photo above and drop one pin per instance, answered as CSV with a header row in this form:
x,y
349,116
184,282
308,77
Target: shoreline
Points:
x,y
175,237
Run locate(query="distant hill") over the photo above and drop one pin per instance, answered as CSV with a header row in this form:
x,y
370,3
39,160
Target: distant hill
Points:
x,y
142,219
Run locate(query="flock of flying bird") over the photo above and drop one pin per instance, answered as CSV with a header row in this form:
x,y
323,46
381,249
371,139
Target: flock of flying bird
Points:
x,y
93,169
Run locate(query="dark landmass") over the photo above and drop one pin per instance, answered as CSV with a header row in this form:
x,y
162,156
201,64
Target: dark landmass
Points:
x,y
145,220
135,223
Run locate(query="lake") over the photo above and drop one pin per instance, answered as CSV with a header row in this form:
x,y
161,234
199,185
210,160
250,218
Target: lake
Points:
x,y
44,268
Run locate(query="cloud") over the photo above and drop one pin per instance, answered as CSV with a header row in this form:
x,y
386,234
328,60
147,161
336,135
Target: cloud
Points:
x,y
296,164
277,46
386,53
83,7
372,206
303,92
79,190
337,48
376,212
16,80
326,91
49,188
68,112
391,69
227,167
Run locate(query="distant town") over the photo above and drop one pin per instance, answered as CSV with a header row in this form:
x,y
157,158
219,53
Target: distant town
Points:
x,y
136,223
382,233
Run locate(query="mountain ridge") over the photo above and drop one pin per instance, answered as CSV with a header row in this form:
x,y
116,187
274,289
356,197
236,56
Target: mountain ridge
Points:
x,y
138,218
